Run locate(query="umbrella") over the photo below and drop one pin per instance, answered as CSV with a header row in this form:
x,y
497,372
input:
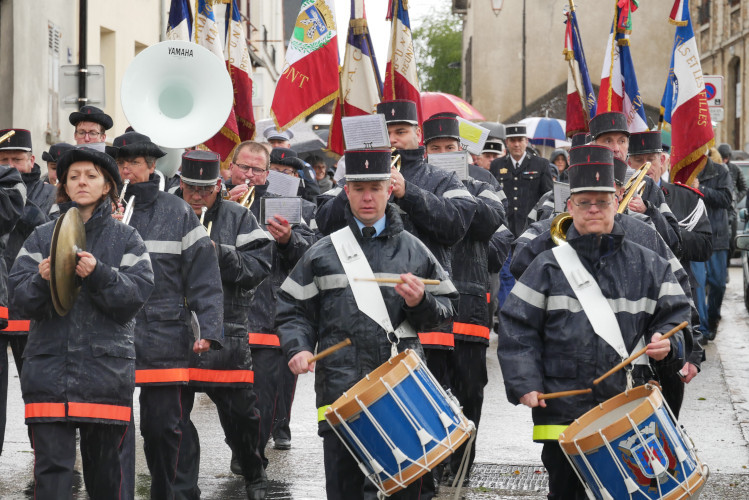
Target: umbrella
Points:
x,y
545,131
439,102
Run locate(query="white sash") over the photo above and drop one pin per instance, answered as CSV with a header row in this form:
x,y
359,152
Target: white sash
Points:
x,y
367,294
594,304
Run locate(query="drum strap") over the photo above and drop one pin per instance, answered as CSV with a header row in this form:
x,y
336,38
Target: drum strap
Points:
x,y
594,304
367,294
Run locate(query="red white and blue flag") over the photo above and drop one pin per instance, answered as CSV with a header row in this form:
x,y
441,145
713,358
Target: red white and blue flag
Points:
x,y
684,104
619,90
239,66
401,81
361,86
581,99
180,21
310,76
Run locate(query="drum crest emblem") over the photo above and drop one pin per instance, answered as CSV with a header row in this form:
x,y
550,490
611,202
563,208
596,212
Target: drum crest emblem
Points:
x,y
640,452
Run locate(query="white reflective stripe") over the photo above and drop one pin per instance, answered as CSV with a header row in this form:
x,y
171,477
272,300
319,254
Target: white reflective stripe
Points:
x,y
256,234
490,195
22,188
457,193
664,208
331,281
298,291
54,209
564,303
313,224
444,288
548,203
267,233
502,229
675,264
533,215
333,192
529,295
193,236
670,289
528,235
501,194
158,246
130,259
36,257
620,305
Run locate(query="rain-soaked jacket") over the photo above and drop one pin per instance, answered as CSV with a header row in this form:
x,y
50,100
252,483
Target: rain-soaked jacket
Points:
x,y
660,213
244,258
715,184
81,366
12,200
187,278
316,306
547,344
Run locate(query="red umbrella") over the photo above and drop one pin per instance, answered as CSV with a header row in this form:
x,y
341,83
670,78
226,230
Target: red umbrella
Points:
x,y
439,102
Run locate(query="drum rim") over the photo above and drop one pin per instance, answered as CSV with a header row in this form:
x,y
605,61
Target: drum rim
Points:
x,y
369,389
568,441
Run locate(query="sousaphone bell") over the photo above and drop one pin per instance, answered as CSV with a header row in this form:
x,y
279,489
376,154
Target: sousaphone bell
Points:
x,y
68,238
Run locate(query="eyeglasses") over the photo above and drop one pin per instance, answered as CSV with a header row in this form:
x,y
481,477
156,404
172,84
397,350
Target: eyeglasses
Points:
x,y
586,205
91,133
201,190
287,171
246,168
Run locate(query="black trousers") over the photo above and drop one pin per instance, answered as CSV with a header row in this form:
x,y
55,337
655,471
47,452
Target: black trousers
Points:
x,y
240,421
673,390
563,482
54,459
17,343
344,480
286,389
266,363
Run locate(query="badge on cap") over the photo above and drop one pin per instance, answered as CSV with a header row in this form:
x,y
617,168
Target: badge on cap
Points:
x,y
366,164
598,176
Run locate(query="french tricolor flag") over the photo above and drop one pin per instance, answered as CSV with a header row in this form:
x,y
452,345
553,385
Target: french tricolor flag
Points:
x,y
361,86
239,65
401,81
684,105
619,90
581,99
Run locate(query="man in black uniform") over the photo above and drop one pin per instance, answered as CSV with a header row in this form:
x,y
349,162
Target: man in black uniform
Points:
x,y
738,186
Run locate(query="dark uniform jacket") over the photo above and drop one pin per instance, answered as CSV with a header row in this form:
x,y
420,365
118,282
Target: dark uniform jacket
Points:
x,y
715,185
81,366
483,175
187,279
12,200
544,209
523,187
244,253
696,235
316,306
659,212
547,344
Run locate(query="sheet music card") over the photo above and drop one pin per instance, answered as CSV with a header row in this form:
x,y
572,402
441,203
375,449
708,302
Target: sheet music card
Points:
x,y
290,208
561,193
365,132
282,184
472,136
452,162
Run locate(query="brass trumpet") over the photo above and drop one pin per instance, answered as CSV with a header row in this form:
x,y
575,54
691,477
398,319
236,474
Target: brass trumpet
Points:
x,y
559,227
248,198
635,185
395,160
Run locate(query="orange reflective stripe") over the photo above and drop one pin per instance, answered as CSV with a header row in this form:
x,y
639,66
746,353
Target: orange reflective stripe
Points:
x,y
162,375
437,338
41,410
488,297
18,325
3,313
96,410
264,339
469,329
222,376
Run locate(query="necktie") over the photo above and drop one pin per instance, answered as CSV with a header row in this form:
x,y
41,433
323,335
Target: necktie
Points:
x,y
368,232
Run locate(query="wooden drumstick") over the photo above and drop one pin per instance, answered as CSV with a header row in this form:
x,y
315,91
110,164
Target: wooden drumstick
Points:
x,y
398,281
564,394
330,350
636,355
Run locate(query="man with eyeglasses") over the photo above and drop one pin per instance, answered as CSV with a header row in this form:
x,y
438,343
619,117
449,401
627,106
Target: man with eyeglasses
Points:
x,y
91,124
286,161
552,336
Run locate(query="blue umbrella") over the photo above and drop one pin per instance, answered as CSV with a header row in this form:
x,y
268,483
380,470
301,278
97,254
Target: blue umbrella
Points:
x,y
545,131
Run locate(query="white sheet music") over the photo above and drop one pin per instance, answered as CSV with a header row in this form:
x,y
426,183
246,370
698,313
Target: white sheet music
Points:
x,y
452,162
365,132
282,184
290,208
561,193
472,136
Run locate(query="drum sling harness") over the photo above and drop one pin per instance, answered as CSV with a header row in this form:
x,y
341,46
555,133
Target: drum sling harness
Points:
x,y
597,309
367,294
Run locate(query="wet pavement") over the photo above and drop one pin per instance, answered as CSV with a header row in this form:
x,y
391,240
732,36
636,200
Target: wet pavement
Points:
x,y
715,414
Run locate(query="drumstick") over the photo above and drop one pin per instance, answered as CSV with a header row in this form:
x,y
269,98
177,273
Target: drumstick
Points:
x,y
636,355
397,281
564,394
330,350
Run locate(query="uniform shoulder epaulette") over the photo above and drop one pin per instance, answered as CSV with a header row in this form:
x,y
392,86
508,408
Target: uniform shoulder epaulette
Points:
x,y
690,188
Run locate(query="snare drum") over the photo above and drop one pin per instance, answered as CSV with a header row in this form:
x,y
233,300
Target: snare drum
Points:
x,y
398,422
632,447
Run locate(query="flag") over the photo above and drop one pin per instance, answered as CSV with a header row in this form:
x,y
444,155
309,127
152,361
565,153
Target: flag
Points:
x,y
239,66
581,100
684,104
619,90
401,81
180,21
310,75
361,85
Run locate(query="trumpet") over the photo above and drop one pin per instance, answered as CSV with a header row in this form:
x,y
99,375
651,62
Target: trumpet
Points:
x,y
128,213
124,189
559,227
248,198
635,185
395,160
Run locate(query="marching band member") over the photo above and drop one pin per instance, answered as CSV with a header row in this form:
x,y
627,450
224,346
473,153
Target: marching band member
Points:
x,y
79,370
307,320
286,161
52,157
226,376
188,280
91,124
547,342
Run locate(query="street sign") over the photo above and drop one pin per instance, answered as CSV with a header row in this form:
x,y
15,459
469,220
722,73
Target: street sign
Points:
x,y
94,85
714,90
717,114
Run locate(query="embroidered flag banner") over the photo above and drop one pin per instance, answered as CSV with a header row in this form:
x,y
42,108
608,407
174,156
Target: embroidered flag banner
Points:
x,y
581,99
401,81
239,66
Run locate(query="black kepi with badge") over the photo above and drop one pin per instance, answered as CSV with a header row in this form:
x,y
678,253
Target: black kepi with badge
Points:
x,y
399,111
612,121
367,165
642,143
591,169
200,168
20,141
516,130
441,128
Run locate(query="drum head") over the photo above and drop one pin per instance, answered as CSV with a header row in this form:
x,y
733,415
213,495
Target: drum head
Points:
x,y
68,238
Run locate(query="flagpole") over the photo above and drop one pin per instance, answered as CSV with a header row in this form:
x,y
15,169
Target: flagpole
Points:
x,y
572,6
392,46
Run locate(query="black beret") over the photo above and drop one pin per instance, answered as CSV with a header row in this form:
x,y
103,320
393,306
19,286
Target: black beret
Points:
x,y
133,144
55,151
82,153
91,114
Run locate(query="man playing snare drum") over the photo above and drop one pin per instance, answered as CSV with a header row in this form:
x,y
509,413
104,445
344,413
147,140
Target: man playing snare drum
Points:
x,y
547,342
318,306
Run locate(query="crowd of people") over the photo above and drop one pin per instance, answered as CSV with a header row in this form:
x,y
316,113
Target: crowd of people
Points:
x,y
201,290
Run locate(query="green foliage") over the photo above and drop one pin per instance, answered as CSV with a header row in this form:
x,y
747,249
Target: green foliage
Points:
x,y
438,42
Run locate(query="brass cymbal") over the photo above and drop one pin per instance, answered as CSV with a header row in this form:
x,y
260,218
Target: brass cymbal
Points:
x,y
68,238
